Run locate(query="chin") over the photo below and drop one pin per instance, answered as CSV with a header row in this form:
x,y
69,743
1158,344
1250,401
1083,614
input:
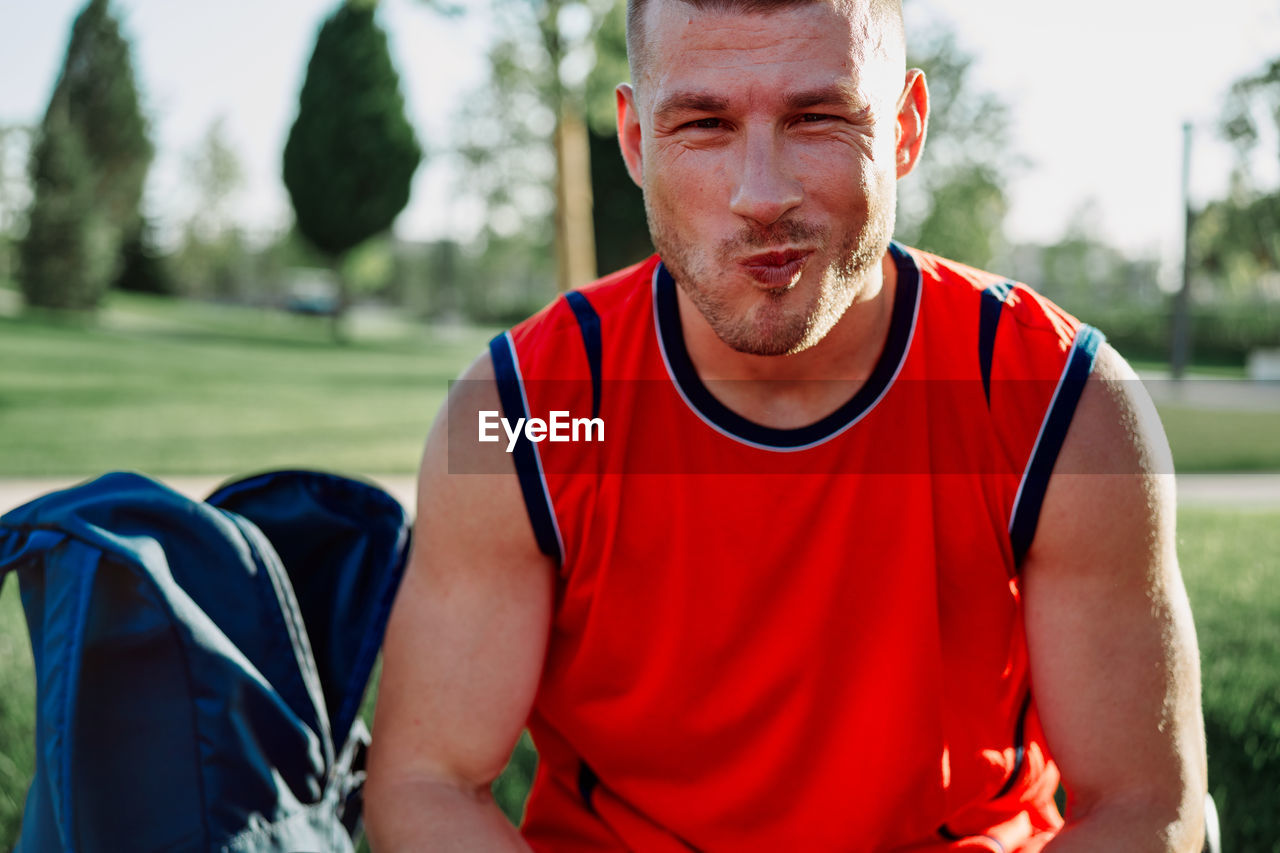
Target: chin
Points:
x,y
769,331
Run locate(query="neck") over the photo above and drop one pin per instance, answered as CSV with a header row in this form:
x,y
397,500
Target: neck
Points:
x,y
793,390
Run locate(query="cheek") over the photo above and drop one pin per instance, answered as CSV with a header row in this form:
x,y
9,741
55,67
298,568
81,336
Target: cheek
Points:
x,y
834,177
686,184
847,176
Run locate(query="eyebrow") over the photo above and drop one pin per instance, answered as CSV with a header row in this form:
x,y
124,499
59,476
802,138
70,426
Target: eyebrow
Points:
x,y
837,93
691,102
703,102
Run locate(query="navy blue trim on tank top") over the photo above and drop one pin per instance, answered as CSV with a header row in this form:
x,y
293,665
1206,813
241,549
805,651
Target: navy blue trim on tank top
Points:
x,y
1053,431
587,783
947,835
1019,759
537,502
1019,748
589,326
901,327
993,300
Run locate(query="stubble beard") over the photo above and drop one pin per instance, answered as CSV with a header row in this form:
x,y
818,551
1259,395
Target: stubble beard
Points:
x,y
782,325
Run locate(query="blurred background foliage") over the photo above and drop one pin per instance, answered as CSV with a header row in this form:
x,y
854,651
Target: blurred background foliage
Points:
x,y
539,156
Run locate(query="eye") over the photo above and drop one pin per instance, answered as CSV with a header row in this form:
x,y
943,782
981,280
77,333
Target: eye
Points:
x,y
705,124
811,118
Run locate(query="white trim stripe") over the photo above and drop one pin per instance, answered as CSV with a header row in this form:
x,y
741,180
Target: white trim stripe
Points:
x,y
1048,416
537,457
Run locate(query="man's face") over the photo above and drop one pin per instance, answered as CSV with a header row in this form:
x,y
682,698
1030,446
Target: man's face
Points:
x,y
765,145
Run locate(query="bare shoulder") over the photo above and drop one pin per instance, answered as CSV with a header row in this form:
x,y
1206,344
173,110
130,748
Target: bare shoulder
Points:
x,y
1115,470
465,481
1116,423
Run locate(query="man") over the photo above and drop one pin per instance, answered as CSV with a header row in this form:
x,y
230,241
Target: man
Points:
x,y
876,544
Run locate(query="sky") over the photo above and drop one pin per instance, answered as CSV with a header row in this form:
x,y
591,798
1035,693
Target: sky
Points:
x,y
1098,91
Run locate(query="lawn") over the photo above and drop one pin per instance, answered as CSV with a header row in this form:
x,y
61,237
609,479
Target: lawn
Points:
x,y
1222,440
1229,561
17,712
168,387
171,387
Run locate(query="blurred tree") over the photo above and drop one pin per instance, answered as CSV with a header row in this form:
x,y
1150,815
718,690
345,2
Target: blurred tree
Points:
x,y
1085,275
14,191
1236,239
370,268
1236,242
66,255
1250,99
211,259
954,202
143,268
351,152
216,173
97,93
526,134
622,232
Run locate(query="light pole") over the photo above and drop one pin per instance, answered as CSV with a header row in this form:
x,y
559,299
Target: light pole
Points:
x,y
1180,335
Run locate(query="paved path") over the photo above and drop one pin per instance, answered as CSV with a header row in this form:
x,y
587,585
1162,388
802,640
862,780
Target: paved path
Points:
x,y
1242,491
1199,392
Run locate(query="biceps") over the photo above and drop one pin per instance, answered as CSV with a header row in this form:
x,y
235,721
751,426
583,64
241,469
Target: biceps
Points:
x,y
1115,674
466,640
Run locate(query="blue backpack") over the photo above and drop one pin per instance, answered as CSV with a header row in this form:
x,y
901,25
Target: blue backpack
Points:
x,y
200,666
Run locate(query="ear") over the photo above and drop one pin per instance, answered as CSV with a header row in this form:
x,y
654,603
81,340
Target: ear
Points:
x,y
913,119
629,131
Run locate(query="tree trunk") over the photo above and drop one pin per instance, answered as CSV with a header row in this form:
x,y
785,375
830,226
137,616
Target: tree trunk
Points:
x,y
1180,335
575,240
341,302
575,235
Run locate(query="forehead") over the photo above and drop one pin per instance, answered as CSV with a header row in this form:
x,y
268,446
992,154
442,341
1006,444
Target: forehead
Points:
x,y
726,51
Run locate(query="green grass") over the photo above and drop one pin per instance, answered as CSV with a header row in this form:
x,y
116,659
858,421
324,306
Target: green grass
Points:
x,y
168,387
1216,440
1199,370
17,712
1229,563
172,387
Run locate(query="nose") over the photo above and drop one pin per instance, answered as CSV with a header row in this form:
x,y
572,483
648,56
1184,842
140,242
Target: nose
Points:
x,y
766,187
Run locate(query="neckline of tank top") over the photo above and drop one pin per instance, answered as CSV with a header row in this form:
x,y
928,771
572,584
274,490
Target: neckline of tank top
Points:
x,y
902,324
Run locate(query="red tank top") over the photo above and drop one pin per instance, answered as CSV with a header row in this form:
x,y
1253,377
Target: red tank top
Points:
x,y
792,638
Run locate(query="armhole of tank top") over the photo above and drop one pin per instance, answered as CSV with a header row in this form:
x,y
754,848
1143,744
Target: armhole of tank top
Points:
x,y
533,481
1053,431
589,327
993,302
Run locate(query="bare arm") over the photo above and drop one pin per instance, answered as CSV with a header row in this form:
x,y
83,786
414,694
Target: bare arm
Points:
x,y
1113,652
463,652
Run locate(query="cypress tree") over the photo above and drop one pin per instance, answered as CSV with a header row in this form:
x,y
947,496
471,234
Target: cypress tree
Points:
x,y
87,169
97,93
66,256
351,152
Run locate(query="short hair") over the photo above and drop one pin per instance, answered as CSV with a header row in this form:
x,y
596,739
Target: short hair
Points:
x,y
886,13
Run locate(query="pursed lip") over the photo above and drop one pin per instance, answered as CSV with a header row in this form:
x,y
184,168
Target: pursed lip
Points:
x,y
777,268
